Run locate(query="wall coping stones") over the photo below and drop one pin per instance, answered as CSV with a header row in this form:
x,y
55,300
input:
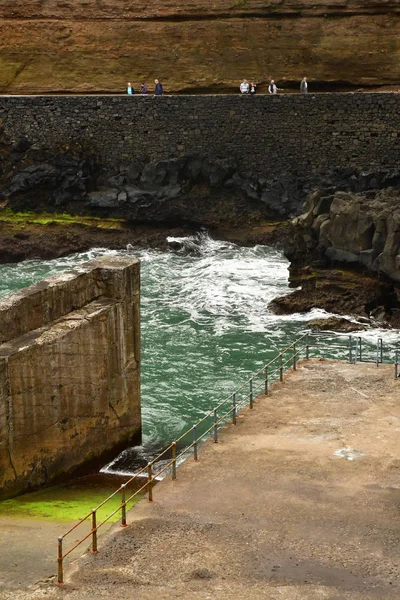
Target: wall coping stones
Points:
x,y
50,299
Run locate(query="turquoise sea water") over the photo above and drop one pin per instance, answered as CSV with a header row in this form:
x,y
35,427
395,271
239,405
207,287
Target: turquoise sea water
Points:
x,y
205,326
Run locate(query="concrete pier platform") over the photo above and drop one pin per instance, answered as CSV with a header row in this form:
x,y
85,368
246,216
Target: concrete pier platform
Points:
x,y
299,501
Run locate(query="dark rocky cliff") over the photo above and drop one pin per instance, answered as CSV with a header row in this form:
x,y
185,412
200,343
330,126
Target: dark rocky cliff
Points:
x,y
345,254
200,160
344,248
225,163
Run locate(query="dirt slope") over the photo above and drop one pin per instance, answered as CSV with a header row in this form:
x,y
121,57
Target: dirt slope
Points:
x,y
91,46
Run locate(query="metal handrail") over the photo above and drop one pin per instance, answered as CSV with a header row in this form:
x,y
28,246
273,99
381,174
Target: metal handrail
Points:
x,y
237,400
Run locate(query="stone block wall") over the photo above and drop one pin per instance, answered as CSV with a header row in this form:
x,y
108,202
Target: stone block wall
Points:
x,y
69,372
266,135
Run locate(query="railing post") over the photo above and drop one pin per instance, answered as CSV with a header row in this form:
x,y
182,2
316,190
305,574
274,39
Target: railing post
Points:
x,y
266,381
294,357
280,368
350,349
60,577
360,349
307,348
379,352
173,449
251,394
234,409
396,365
123,506
194,429
215,426
150,482
94,532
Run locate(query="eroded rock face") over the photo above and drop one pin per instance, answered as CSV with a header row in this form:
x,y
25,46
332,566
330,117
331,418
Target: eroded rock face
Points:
x,y
190,189
357,229
196,45
338,290
345,255
335,324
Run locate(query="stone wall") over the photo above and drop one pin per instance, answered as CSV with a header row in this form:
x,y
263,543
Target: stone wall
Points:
x,y
266,135
69,372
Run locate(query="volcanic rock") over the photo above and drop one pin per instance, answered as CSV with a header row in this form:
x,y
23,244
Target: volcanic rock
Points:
x,y
335,324
357,228
107,198
345,253
190,189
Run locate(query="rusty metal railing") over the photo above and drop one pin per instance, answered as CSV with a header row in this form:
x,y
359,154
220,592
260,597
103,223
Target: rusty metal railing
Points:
x,y
353,350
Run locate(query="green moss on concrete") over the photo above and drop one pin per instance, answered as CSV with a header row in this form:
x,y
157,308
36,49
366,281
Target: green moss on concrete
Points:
x,y
69,502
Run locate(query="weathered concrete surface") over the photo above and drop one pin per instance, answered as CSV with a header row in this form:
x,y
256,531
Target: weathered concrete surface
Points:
x,y
270,511
27,551
69,372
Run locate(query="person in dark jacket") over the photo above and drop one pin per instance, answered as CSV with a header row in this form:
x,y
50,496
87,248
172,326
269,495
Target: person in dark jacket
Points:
x,y
143,88
159,88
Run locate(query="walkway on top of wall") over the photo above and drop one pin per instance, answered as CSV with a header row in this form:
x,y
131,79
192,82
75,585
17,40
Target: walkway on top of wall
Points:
x,y
208,94
299,501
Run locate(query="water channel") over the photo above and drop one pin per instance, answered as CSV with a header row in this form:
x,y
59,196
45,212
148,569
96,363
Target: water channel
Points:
x,y
205,327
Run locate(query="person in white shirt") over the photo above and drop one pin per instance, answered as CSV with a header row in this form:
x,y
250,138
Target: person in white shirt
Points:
x,y
272,88
244,87
304,86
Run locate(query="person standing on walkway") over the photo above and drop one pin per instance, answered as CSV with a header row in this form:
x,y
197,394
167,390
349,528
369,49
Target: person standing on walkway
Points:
x,y
159,88
143,89
272,88
304,86
129,88
244,87
252,88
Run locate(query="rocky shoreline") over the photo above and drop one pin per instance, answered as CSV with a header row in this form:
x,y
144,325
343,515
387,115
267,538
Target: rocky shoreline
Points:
x,y
150,201
57,238
340,230
345,255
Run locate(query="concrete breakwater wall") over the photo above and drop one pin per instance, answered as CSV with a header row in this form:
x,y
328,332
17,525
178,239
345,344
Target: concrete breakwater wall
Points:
x,y
69,372
265,135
